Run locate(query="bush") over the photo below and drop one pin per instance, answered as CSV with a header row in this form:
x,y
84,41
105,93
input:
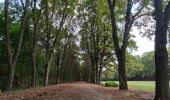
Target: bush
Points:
x,y
111,84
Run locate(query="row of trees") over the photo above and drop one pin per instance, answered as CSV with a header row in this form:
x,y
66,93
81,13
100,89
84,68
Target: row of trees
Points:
x,y
75,39
44,31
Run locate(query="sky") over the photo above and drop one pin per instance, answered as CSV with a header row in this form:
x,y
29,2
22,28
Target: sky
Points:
x,y
144,45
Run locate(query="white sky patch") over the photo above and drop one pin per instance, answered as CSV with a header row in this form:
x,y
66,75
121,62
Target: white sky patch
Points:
x,y
143,43
1,0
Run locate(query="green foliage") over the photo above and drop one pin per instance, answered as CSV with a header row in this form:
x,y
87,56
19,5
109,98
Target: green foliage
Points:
x,y
111,84
134,66
109,73
148,62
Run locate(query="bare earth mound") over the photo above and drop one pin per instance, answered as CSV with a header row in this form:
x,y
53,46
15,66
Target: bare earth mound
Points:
x,y
76,91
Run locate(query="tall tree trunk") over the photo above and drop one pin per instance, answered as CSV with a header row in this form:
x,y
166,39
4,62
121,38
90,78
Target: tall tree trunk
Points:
x,y
49,51
122,71
97,71
100,74
162,79
33,82
92,71
58,68
8,47
47,71
33,58
161,54
33,55
11,72
161,64
88,73
58,75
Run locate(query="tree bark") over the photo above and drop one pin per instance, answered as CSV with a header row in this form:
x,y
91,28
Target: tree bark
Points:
x,y
47,74
58,67
58,75
162,78
8,47
11,72
100,74
97,69
122,71
161,54
33,63
89,74
92,71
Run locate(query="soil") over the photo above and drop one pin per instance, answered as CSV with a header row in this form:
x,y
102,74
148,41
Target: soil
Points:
x,y
76,91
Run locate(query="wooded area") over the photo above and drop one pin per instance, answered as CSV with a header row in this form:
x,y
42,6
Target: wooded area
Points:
x,y
45,42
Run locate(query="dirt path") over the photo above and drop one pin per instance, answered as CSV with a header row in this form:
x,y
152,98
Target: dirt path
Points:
x,y
73,91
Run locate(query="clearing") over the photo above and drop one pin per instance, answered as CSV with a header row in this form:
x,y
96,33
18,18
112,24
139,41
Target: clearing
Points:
x,y
76,91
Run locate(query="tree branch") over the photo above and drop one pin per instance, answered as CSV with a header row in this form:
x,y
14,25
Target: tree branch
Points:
x,y
167,13
114,26
137,13
127,25
22,28
141,15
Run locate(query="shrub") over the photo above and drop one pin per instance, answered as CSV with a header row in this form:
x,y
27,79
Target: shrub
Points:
x,y
111,84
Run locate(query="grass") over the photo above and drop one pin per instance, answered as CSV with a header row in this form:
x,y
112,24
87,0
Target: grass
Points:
x,y
141,85
148,86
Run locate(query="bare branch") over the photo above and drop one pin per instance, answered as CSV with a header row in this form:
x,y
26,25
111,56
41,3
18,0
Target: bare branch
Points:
x,y
138,12
22,3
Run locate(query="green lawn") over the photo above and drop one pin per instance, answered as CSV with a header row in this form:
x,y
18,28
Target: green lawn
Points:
x,y
141,85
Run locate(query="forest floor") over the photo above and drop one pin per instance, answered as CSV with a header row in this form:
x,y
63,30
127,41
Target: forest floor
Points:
x,y
76,91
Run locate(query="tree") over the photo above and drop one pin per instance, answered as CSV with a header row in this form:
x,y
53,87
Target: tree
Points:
x,y
33,36
12,57
147,60
162,18
121,49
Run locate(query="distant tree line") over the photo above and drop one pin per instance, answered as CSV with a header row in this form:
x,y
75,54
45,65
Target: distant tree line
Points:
x,y
138,68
